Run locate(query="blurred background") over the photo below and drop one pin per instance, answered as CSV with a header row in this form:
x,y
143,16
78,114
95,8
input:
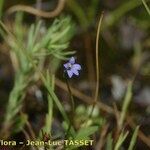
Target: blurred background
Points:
x,y
123,55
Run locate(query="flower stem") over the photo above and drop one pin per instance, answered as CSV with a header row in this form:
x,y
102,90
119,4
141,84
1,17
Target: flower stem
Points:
x,y
71,97
97,66
72,107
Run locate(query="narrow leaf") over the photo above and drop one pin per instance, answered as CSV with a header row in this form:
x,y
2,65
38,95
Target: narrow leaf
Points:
x,y
134,137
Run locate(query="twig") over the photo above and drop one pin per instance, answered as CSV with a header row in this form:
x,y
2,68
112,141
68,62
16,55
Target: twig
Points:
x,y
31,130
116,114
28,138
101,143
38,12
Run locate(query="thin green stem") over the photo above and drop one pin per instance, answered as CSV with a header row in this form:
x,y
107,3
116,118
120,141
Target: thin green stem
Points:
x,y
72,107
71,97
97,65
120,140
134,138
126,103
146,6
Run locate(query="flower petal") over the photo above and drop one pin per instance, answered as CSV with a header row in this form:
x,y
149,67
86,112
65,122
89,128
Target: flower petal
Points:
x,y
77,66
74,71
66,65
70,73
72,60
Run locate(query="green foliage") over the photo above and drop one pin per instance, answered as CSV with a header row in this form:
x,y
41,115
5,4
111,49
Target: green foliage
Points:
x,y
110,20
122,137
120,140
19,123
29,48
86,127
49,116
114,16
82,116
92,9
28,60
126,103
83,134
54,42
133,139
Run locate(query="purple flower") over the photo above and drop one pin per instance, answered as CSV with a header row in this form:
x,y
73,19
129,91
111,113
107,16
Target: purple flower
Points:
x,y
72,68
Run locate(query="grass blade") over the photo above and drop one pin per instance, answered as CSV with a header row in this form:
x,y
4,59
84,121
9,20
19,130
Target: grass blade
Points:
x,y
146,6
121,139
125,104
134,137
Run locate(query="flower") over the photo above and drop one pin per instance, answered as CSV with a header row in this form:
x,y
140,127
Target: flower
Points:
x,y
72,68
